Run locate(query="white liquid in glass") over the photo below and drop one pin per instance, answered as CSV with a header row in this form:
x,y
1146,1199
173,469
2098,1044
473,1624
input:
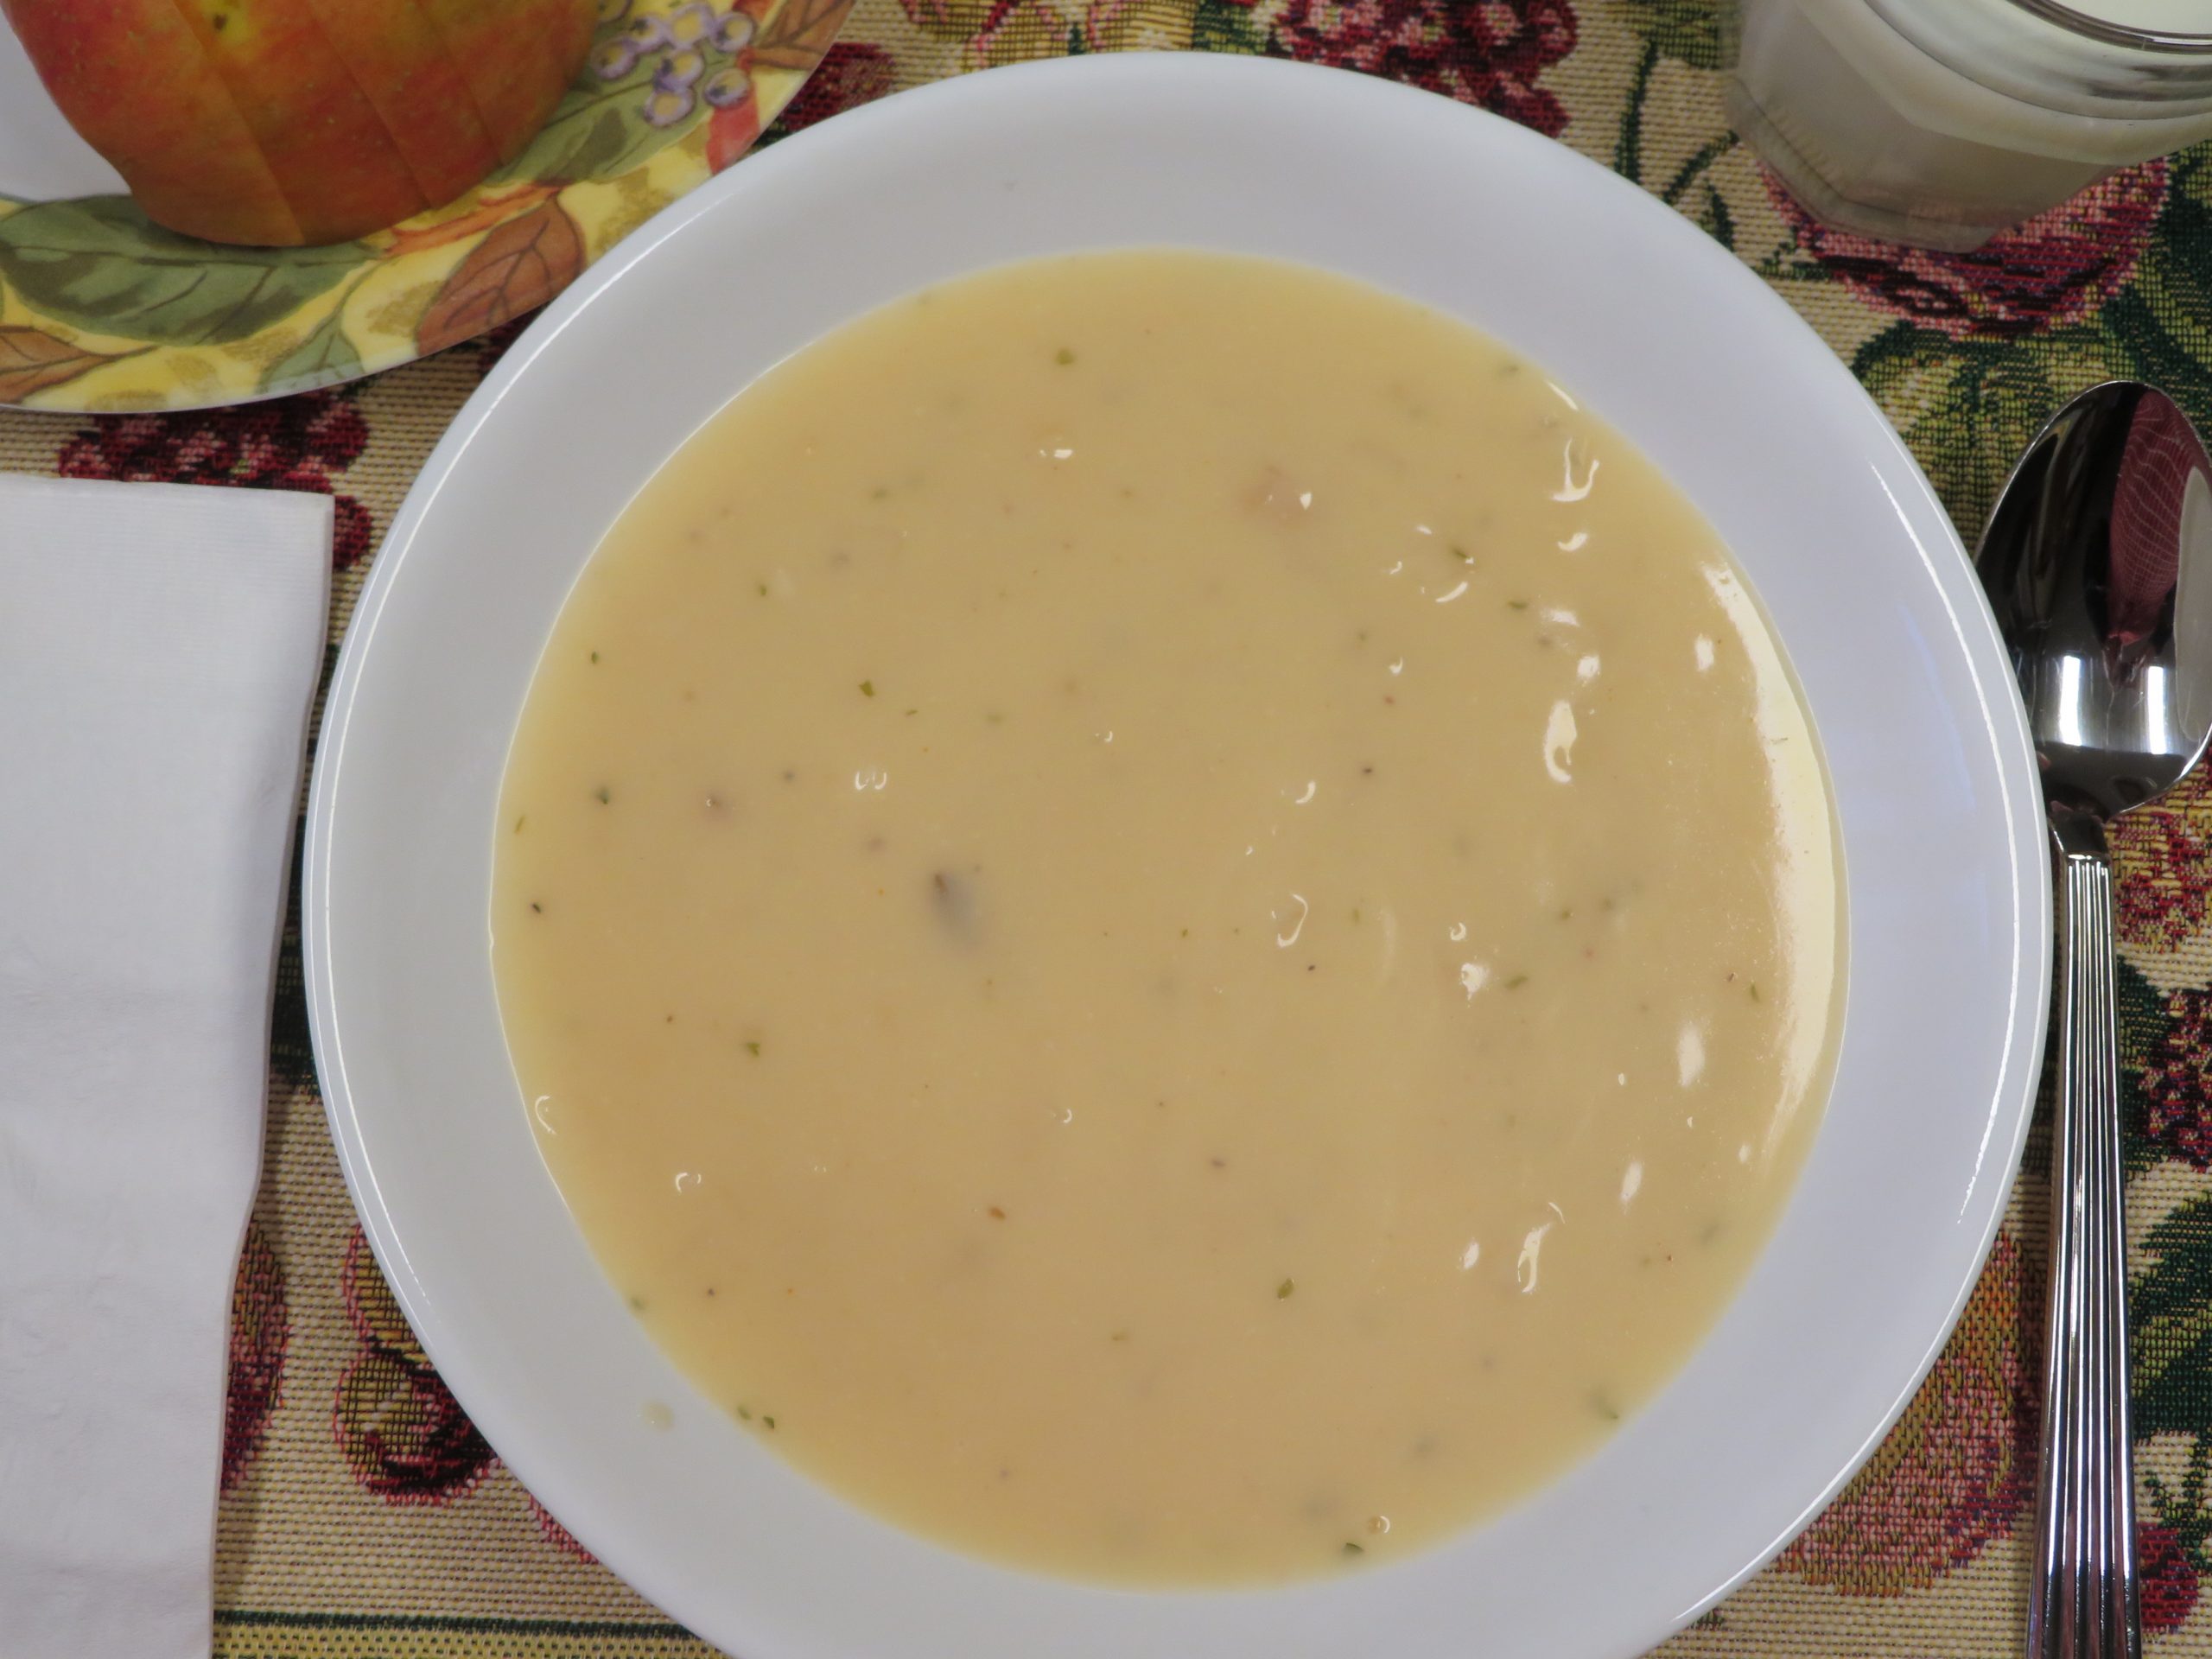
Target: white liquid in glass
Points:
x,y
1941,125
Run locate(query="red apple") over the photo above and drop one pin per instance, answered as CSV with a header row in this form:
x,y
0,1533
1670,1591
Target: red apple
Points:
x,y
284,123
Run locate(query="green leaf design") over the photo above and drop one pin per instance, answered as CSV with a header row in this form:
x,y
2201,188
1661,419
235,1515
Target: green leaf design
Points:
x,y
1696,32
1224,26
2171,346
2189,177
2142,1021
1963,409
1628,148
1718,219
326,355
2171,1312
1711,151
599,130
1968,408
97,263
2182,1510
2164,314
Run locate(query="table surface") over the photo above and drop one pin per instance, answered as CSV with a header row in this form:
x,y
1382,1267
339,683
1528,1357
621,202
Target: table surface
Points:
x,y
362,1514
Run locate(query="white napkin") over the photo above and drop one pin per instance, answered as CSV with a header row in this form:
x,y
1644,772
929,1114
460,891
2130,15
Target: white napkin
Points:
x,y
159,649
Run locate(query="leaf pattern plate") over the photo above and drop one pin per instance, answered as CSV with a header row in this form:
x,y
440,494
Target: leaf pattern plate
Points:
x,y
102,311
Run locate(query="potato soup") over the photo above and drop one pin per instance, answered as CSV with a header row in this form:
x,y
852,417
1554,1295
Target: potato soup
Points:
x,y
1168,919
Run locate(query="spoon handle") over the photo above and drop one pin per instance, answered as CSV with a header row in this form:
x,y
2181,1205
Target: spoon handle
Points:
x,y
2084,1604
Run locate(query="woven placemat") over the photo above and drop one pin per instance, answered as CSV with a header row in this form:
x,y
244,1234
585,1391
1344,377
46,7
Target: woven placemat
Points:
x,y
364,1515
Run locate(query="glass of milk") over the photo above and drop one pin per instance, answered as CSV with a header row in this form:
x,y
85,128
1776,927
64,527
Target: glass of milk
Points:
x,y
1940,123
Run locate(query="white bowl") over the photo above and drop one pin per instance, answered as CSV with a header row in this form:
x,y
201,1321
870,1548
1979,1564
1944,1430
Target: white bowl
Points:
x,y
1665,335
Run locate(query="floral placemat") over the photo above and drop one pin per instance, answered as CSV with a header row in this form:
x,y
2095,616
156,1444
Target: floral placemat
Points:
x,y
364,1516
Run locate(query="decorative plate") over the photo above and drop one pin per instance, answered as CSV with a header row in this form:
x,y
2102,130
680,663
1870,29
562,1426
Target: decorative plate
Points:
x,y
102,311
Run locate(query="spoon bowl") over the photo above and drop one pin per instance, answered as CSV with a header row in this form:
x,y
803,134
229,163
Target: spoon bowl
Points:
x,y
2088,563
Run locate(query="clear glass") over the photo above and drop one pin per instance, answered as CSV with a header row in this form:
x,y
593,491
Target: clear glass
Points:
x,y
1940,123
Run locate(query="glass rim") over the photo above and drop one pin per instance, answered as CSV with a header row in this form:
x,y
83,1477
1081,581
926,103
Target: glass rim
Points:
x,y
2147,40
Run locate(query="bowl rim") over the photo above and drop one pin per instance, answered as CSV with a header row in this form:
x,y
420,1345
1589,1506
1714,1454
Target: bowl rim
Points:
x,y
2002,722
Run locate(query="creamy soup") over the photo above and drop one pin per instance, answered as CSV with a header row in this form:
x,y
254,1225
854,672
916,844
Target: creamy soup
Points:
x,y
1168,919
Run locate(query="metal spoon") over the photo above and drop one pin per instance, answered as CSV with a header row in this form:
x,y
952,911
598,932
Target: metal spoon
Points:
x,y
2098,563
